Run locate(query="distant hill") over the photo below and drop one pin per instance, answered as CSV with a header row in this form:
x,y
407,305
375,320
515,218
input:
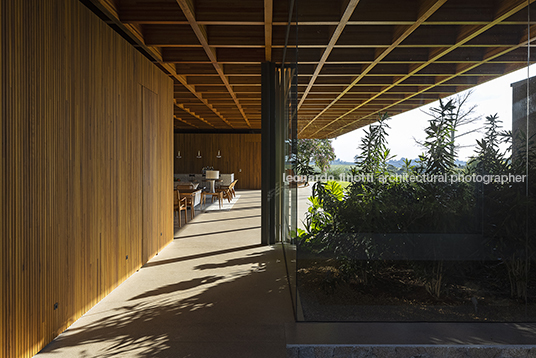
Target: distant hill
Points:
x,y
340,162
398,163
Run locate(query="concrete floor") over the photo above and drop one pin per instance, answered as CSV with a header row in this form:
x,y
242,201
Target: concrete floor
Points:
x,y
213,292
216,292
304,192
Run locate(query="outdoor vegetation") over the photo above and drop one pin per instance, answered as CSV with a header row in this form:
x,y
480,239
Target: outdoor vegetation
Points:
x,y
314,153
452,245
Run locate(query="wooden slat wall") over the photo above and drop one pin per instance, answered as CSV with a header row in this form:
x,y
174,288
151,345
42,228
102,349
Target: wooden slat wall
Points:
x,y
238,151
72,180
3,241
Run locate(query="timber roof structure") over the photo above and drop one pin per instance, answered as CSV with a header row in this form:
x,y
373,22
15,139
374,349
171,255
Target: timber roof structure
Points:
x,y
356,58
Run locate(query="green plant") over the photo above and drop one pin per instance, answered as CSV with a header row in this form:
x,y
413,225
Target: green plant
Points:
x,y
440,154
342,224
337,171
374,152
304,168
506,208
434,283
317,151
489,158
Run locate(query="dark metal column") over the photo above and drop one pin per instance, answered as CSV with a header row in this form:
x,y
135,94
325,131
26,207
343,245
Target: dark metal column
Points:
x,y
268,121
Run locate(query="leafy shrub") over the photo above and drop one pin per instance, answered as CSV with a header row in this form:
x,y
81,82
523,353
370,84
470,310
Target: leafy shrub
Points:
x,y
340,223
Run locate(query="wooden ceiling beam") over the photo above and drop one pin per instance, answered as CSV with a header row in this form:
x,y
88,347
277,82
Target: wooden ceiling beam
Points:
x,y
132,31
352,4
187,8
111,12
182,79
505,9
489,56
426,10
169,15
444,54
268,16
184,121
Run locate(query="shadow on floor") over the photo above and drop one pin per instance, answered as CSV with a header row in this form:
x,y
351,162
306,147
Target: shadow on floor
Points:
x,y
180,286
253,258
216,232
198,256
220,220
245,315
233,209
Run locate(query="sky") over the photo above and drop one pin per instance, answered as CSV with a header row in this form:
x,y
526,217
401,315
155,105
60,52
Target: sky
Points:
x,y
491,97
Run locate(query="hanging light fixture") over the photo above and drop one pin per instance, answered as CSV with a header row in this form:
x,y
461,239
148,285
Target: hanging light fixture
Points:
x,y
178,155
219,155
199,154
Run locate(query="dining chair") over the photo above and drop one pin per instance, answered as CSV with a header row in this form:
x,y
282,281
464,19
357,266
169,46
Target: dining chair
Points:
x,y
190,202
179,204
228,191
218,194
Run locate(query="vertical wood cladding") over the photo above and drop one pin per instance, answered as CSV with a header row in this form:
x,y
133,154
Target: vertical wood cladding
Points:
x,y
238,151
85,168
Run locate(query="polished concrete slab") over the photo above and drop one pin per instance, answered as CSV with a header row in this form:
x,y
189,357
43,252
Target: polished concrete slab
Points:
x,y
213,292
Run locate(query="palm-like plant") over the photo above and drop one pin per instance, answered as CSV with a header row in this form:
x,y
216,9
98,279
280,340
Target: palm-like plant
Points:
x,y
440,152
374,152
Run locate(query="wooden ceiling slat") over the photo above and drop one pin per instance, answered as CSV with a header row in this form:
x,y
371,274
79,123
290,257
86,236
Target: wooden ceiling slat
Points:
x,y
390,55
268,28
184,82
466,33
489,56
185,122
170,35
187,110
352,4
216,10
425,12
200,32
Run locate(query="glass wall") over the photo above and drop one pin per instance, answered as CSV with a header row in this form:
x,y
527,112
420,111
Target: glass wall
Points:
x,y
279,133
441,233
288,144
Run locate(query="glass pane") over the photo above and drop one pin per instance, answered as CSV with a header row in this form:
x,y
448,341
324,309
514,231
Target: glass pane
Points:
x,y
288,91
432,217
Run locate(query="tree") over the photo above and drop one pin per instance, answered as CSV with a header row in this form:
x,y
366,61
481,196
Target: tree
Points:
x,y
317,151
459,114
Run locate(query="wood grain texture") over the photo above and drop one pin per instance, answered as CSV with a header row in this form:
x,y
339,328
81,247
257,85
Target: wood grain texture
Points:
x,y
357,59
84,169
238,151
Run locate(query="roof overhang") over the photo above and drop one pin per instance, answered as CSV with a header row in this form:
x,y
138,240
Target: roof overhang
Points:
x,y
356,58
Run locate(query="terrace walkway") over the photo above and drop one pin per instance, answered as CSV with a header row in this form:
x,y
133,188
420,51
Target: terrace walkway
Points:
x,y
213,292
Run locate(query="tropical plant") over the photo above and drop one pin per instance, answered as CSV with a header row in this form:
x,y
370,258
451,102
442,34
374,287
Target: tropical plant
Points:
x,y
506,208
440,153
324,205
489,158
374,152
343,224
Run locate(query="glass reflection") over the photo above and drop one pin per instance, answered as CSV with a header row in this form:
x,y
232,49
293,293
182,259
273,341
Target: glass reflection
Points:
x,y
434,238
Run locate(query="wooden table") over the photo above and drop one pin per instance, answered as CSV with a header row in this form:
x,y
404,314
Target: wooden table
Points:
x,y
212,183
